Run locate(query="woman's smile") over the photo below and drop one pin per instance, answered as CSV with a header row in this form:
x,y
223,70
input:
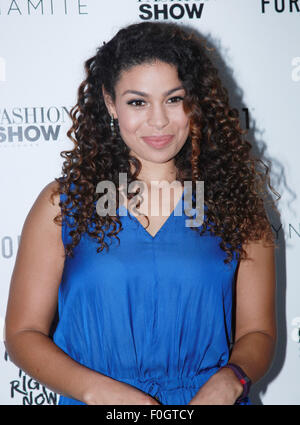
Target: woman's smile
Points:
x,y
158,142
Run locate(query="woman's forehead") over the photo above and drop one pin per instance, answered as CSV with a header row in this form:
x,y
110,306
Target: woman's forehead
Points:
x,y
148,74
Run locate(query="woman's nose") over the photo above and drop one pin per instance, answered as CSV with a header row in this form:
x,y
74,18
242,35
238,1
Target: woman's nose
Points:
x,y
158,117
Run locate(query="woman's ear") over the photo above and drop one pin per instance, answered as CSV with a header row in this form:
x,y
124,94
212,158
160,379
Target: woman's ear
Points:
x,y
109,103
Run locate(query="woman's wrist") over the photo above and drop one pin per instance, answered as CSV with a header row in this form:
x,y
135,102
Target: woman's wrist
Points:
x,y
235,385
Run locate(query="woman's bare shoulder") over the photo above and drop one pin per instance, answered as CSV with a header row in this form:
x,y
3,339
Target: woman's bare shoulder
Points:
x,y
40,231
51,192
46,205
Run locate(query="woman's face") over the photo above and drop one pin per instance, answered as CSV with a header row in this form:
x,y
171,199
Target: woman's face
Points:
x,y
149,108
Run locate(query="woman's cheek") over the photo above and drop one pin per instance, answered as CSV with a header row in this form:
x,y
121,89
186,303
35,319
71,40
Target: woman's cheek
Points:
x,y
132,122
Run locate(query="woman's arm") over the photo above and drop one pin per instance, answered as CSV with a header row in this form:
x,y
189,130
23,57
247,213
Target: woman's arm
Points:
x,y
31,307
255,335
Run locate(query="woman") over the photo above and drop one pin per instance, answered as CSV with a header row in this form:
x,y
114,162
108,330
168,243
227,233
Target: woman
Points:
x,y
147,320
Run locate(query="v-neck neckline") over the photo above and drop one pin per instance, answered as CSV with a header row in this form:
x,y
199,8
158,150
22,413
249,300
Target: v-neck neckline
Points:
x,y
165,223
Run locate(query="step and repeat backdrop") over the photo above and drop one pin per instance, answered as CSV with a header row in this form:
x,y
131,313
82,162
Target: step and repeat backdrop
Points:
x,y
256,46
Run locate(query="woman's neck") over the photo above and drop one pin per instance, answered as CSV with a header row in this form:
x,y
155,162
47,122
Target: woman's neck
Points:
x,y
152,172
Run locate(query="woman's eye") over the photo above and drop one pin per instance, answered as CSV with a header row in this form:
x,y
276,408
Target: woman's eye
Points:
x,y
175,99
136,102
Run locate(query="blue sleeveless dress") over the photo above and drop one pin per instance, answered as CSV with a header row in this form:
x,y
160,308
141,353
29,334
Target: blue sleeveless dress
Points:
x,y
153,312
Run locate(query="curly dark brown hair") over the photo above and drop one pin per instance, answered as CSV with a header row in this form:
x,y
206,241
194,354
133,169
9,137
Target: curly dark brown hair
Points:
x,y
236,183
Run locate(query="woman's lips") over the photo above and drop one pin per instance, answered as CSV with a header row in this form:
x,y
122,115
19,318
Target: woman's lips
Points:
x,y
158,141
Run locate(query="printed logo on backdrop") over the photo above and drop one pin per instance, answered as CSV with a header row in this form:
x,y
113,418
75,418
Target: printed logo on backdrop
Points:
x,y
23,126
25,390
171,9
43,7
9,246
296,69
280,6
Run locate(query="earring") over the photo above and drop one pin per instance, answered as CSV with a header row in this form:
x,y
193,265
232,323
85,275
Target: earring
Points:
x,y
112,126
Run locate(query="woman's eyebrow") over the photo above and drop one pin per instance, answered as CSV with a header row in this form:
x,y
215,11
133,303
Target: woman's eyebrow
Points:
x,y
143,94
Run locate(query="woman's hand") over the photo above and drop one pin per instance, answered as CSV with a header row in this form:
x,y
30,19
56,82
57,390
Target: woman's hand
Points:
x,y
221,388
114,392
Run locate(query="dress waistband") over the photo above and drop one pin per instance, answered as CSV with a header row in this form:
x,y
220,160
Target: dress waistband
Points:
x,y
153,385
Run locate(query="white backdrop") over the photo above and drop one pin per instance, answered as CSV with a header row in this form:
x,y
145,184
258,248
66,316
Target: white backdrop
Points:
x,y
43,44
